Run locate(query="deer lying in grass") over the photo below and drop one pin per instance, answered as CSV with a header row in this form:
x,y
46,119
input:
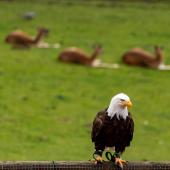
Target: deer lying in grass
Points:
x,y
139,57
78,56
20,39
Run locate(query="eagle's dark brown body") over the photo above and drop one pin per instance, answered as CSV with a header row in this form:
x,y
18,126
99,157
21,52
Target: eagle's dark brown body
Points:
x,y
107,132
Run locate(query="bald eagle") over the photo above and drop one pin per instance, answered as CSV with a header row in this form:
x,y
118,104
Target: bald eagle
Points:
x,y
113,128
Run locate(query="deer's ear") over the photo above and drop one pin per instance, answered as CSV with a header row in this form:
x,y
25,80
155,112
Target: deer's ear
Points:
x,y
162,47
42,28
158,46
97,45
100,46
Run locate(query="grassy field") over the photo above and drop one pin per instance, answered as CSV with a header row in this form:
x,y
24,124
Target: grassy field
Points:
x,y
47,107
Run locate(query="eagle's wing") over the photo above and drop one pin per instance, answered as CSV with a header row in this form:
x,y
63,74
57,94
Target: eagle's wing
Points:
x,y
97,125
130,130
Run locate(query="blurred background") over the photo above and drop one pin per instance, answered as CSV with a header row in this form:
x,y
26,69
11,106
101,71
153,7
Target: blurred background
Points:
x,y
47,107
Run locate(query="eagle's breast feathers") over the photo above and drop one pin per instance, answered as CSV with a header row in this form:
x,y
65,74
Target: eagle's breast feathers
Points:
x,y
112,132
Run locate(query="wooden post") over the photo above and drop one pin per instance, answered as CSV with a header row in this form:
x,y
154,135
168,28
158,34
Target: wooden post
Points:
x,y
77,165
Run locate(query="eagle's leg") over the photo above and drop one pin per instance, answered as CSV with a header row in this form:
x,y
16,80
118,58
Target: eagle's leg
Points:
x,y
97,155
119,161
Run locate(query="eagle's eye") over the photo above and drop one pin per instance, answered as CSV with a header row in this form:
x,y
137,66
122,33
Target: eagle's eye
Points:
x,y
122,100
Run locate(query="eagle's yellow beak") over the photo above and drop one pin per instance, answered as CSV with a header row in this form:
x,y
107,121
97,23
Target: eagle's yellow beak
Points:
x,y
127,103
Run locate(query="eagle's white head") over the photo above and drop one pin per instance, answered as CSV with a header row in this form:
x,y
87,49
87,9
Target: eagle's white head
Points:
x,y
119,106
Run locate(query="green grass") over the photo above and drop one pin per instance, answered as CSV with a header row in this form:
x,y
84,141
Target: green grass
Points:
x,y
47,107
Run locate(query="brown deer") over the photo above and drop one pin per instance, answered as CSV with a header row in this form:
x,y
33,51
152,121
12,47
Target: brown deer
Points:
x,y
20,39
139,57
78,56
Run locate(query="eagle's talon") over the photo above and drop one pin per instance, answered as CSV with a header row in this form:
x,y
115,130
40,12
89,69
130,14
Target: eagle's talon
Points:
x,y
98,160
119,162
95,162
